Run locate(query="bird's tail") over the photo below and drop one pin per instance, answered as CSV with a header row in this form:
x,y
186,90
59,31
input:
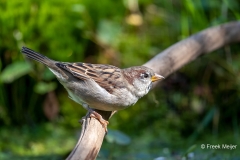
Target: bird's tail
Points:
x,y
37,56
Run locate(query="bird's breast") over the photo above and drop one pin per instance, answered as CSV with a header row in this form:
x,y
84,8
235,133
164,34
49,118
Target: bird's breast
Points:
x,y
98,98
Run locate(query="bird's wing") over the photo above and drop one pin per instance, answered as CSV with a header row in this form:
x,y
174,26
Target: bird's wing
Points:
x,y
106,76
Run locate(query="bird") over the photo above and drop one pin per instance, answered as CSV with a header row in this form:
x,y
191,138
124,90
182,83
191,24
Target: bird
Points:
x,y
99,86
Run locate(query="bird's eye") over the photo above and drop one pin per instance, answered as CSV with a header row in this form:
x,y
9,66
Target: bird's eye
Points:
x,y
146,75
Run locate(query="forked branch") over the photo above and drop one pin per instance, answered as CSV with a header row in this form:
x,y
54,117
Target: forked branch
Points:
x,y
164,63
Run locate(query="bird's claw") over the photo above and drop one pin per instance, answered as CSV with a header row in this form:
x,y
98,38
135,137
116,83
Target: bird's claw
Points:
x,y
94,114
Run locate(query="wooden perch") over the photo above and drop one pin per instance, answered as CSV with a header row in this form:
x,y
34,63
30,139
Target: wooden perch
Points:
x,y
164,63
91,138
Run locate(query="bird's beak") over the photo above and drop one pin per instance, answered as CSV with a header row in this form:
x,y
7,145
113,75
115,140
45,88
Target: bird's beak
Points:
x,y
156,77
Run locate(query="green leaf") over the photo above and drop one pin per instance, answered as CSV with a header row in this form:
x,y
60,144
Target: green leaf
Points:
x,y
48,75
108,31
43,87
115,136
14,71
189,150
78,8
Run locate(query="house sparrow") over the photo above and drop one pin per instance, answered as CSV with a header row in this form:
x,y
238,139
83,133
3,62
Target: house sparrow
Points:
x,y
99,86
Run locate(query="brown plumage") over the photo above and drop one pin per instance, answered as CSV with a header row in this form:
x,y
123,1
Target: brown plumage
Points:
x,y
99,86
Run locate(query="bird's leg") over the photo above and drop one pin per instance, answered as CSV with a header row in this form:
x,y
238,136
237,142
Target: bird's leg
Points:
x,y
94,114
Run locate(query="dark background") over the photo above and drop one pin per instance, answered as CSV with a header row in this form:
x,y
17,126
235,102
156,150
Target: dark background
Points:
x,y
198,104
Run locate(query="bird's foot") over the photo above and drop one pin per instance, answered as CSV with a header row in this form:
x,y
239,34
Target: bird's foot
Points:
x,y
94,114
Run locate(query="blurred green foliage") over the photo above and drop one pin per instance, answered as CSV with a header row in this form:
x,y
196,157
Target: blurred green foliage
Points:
x,y
198,104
